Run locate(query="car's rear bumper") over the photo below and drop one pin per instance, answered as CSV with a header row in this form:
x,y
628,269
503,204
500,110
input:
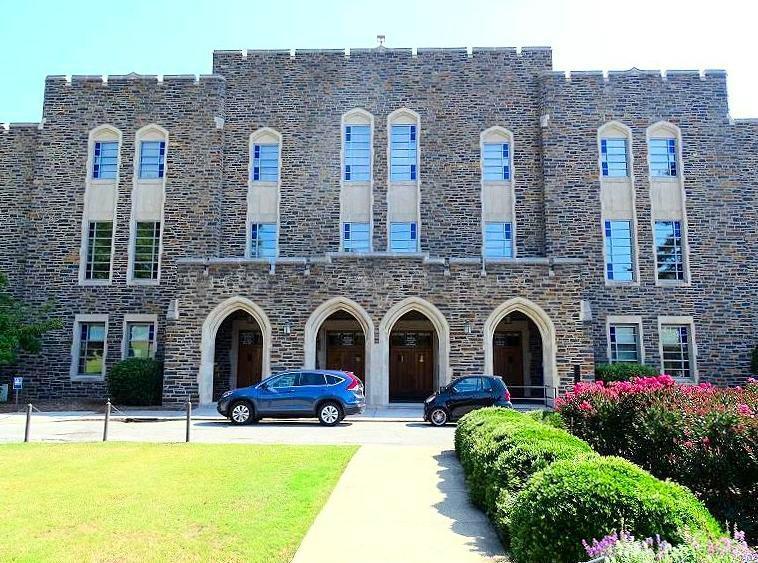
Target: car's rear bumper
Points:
x,y
356,408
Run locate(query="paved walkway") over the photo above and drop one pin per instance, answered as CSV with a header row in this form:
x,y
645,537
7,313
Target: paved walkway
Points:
x,y
401,505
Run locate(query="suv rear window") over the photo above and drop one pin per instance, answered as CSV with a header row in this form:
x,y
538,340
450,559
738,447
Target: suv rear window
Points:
x,y
332,379
310,378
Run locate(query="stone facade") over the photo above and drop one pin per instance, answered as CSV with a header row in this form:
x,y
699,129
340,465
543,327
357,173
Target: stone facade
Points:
x,y
557,278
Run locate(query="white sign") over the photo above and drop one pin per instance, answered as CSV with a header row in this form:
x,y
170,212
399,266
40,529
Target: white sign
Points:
x,y
18,383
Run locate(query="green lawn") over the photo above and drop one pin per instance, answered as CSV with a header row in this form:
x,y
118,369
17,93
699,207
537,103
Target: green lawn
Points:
x,y
161,502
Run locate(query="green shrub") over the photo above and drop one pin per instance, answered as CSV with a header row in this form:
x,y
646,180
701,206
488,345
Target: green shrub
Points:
x,y
136,381
573,500
551,418
623,371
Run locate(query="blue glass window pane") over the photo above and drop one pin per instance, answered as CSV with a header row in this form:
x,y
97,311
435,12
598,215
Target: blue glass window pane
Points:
x,y
624,343
668,250
266,163
357,153
263,244
403,153
614,157
675,342
663,157
619,251
152,159
105,161
356,237
496,161
498,240
403,237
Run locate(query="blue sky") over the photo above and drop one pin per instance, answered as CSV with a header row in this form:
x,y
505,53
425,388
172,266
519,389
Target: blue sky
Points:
x,y
41,37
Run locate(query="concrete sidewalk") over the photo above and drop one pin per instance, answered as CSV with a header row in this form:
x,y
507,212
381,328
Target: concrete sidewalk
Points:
x,y
401,505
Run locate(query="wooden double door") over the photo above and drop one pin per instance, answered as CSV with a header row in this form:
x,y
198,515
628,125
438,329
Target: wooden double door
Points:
x,y
411,366
249,358
346,351
508,360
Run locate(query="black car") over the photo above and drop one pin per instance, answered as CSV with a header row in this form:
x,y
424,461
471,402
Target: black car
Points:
x,y
464,395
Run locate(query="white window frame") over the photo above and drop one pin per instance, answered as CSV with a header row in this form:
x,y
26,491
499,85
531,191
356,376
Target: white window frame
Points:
x,y
629,320
690,323
357,116
634,249
152,132
498,134
665,129
264,135
138,319
76,343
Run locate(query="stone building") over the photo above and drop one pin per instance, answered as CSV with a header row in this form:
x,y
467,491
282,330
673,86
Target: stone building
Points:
x,y
409,215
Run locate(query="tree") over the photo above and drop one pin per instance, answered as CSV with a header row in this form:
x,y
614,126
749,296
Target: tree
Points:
x,y
21,326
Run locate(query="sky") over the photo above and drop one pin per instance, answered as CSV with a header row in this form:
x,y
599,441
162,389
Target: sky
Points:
x,y
41,37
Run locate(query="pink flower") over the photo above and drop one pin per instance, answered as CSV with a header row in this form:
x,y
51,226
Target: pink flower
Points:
x,y
744,410
585,406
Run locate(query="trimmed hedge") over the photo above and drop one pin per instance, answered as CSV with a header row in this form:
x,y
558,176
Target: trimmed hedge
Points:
x,y
575,500
500,449
136,382
623,371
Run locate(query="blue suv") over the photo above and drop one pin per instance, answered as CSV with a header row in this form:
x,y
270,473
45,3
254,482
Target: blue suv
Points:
x,y
325,394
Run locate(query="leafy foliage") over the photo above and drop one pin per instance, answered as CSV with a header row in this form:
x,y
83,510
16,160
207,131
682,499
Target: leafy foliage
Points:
x,y
136,381
21,326
623,371
575,499
701,436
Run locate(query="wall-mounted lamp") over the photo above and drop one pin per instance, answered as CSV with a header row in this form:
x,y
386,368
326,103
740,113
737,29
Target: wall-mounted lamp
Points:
x,y
468,328
287,328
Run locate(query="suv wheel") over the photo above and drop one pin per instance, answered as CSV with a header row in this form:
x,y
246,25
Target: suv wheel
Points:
x,y
438,417
329,413
241,412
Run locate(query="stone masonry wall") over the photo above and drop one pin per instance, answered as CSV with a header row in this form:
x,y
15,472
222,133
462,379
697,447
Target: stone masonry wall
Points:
x,y
719,163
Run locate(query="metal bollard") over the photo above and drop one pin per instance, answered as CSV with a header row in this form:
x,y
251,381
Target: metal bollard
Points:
x,y
28,421
189,419
107,419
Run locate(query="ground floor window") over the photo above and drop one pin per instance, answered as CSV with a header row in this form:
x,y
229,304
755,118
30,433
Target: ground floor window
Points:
x,y
625,343
91,348
676,346
140,339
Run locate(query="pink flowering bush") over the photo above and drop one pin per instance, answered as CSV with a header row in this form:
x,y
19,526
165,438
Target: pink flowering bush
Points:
x,y
702,436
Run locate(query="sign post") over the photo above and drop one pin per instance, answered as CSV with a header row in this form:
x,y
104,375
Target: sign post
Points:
x,y
18,384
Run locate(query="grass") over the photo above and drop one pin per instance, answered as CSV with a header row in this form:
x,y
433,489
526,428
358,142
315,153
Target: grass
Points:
x,y
161,502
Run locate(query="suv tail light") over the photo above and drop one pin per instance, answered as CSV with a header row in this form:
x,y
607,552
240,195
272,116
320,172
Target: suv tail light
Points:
x,y
354,381
506,395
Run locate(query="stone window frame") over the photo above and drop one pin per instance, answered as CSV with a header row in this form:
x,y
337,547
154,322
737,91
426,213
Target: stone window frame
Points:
x,y
689,321
104,132
607,260
150,132
404,116
262,135
666,129
74,374
131,318
616,130
635,320
497,133
358,116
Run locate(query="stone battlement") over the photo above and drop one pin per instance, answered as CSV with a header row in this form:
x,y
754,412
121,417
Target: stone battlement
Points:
x,y
633,73
119,79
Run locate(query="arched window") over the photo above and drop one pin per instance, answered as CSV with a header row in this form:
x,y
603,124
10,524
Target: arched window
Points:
x,y
663,150
403,172
497,155
152,146
104,149
265,179
357,142
265,155
498,200
403,139
614,144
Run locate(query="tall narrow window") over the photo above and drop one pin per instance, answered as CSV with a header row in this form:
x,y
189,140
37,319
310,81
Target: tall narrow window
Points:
x,y
403,237
263,240
676,344
357,153
140,339
105,160
147,250
496,161
403,153
356,237
266,163
99,245
619,251
498,240
625,346
663,157
668,250
152,159
614,158
91,348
